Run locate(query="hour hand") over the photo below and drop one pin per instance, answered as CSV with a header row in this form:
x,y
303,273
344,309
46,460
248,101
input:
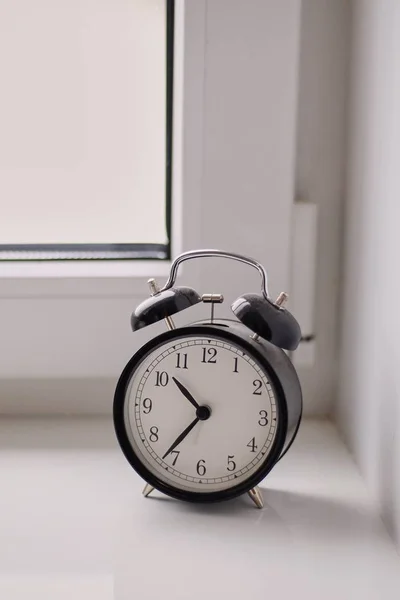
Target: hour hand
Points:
x,y
186,393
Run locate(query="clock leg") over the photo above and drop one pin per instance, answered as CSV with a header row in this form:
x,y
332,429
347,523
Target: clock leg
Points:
x,y
147,490
256,496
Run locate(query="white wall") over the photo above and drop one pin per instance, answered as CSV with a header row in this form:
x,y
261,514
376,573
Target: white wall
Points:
x,y
251,58
369,405
320,174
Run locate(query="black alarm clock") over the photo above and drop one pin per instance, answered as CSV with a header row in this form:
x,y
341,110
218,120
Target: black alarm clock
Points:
x,y
203,412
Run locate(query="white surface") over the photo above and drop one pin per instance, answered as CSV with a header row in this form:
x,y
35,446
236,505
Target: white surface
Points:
x,y
369,410
74,525
82,120
234,163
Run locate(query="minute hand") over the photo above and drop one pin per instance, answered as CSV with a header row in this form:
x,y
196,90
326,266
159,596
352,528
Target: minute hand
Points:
x,y
186,392
180,438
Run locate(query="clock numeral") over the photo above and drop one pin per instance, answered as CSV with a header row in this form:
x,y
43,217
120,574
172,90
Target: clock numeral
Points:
x,y
177,452
212,353
252,445
231,464
162,378
147,405
264,418
201,467
235,369
257,384
183,361
154,434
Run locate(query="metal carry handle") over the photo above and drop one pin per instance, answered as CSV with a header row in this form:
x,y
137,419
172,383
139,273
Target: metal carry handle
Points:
x,y
220,254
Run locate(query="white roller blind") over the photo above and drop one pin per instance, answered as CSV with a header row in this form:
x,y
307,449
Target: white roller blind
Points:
x,y
82,121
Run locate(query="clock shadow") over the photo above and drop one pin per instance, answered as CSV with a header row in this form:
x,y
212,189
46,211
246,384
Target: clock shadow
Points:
x,y
323,518
287,513
294,529
229,520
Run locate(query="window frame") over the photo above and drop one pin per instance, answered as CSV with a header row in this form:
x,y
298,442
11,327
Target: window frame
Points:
x,y
115,278
23,253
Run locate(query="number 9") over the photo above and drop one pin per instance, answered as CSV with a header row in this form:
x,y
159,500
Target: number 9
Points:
x,y
147,405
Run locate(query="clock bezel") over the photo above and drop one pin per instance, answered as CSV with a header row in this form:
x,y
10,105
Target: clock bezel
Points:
x,y
223,332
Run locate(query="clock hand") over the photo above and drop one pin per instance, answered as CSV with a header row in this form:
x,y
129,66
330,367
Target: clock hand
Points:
x,y
202,414
182,436
185,392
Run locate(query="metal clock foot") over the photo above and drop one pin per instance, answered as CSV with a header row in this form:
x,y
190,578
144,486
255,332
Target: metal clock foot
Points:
x,y
256,495
147,490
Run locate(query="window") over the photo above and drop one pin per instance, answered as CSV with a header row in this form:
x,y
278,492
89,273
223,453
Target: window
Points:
x,y
65,324
85,129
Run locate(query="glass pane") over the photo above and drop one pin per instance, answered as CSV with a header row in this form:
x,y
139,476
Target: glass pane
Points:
x,y
83,122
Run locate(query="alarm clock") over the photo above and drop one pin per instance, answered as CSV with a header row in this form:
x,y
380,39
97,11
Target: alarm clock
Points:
x,y
203,412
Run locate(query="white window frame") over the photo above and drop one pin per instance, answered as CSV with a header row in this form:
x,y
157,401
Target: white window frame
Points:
x,y
44,278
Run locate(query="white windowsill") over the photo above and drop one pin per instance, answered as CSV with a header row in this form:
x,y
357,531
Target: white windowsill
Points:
x,y
80,279
75,525
83,268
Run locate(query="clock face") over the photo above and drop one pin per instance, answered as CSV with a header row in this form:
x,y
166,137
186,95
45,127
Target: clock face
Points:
x,y
200,413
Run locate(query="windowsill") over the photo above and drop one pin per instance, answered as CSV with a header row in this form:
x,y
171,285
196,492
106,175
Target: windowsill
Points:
x,y
83,268
79,279
319,534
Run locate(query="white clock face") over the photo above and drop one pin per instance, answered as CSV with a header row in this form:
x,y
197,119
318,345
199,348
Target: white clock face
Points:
x,y
206,449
